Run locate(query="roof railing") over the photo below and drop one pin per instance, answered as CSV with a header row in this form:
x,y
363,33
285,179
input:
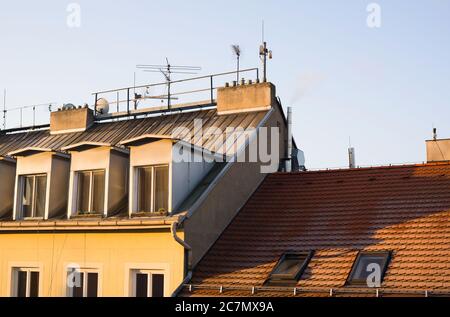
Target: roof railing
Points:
x,y
131,98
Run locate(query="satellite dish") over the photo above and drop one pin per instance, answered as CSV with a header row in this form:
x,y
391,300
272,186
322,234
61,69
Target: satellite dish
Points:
x,y
102,106
68,106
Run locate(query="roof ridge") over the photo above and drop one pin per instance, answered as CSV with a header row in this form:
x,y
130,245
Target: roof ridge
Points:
x,y
368,168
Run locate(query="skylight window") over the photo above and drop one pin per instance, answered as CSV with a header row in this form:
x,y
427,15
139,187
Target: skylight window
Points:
x,y
369,269
289,268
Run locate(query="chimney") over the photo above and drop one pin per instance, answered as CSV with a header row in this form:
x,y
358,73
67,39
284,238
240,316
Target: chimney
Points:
x,y
289,141
71,119
438,150
351,157
245,98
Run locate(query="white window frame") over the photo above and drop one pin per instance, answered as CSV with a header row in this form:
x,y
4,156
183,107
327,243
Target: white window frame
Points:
x,y
149,273
152,197
14,279
85,272
22,185
91,186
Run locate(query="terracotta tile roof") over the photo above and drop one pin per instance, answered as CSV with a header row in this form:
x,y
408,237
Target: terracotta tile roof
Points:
x,y
117,131
405,209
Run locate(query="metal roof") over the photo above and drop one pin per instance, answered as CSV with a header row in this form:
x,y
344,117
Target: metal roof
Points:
x,y
117,131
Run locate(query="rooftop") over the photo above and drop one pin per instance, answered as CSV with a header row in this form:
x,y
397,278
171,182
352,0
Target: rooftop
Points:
x,y
336,213
114,132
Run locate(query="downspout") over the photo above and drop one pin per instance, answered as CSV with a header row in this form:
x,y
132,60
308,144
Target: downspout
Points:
x,y
188,248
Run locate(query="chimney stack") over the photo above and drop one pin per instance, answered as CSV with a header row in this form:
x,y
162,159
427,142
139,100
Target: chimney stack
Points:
x,y
351,157
70,119
289,141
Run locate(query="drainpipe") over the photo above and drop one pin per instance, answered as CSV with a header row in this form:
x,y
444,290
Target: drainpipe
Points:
x,y
289,141
187,247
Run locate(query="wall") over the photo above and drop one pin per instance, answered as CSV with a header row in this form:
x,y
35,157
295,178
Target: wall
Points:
x,y
186,176
438,150
8,177
227,197
113,253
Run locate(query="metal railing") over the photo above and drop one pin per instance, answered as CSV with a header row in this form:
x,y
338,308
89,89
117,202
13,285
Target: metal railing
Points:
x,y
131,102
24,111
208,85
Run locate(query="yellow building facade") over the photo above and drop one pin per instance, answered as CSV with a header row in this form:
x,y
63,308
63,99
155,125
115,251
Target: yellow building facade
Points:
x,y
115,256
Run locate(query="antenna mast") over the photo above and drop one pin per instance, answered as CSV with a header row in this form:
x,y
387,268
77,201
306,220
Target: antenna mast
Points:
x,y
237,51
4,109
167,70
264,52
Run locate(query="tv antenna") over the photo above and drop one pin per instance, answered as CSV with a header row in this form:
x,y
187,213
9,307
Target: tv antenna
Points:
x,y
4,109
264,52
237,51
167,71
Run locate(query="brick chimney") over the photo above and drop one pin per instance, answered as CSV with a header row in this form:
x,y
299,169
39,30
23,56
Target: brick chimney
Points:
x,y
71,120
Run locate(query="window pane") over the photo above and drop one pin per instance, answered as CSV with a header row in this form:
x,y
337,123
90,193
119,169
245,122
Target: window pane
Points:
x,y
21,290
161,187
92,284
40,193
361,272
157,285
141,285
27,199
34,284
290,265
145,189
84,180
99,192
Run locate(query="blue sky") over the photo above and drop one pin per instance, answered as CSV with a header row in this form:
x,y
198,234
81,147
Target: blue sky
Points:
x,y
383,87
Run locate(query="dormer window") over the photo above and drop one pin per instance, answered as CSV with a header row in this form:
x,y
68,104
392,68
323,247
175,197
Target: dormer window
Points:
x,y
98,179
159,182
42,177
34,190
153,188
91,192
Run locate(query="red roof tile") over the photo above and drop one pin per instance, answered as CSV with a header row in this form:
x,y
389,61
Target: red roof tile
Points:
x,y
405,209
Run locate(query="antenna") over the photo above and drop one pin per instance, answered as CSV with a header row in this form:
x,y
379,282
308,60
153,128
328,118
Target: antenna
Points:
x,y
167,70
264,52
237,51
4,109
262,32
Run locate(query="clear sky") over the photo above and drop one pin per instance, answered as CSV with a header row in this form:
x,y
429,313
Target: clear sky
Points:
x,y
383,87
